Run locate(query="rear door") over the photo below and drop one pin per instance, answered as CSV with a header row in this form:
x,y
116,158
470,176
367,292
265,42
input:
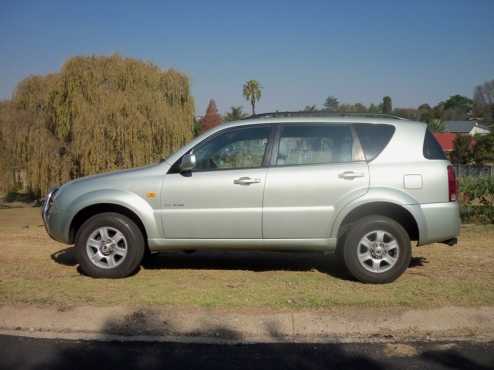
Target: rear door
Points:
x,y
315,170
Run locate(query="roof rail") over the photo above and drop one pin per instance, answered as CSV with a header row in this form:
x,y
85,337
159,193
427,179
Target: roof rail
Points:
x,y
321,114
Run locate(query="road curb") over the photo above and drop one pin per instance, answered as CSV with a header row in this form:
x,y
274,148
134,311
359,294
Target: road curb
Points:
x,y
208,326
101,337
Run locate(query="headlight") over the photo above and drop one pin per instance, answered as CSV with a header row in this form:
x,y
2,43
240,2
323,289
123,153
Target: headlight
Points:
x,y
48,201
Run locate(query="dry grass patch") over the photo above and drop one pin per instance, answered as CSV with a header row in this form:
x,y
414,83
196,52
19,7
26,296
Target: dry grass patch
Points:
x,y
37,270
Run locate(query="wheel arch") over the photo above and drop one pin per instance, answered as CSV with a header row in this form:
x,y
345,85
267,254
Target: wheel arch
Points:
x,y
124,203
84,214
389,202
392,210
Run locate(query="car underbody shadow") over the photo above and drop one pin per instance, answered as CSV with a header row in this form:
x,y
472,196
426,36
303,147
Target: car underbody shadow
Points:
x,y
248,260
256,261
65,257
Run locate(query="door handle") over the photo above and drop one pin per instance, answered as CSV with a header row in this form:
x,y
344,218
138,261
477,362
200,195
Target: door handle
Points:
x,y
246,181
350,175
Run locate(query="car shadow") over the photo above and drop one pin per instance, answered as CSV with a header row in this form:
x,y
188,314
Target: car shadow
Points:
x,y
221,260
236,260
251,261
418,262
65,257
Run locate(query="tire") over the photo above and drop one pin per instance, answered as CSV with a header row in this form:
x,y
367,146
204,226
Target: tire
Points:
x,y
377,250
118,257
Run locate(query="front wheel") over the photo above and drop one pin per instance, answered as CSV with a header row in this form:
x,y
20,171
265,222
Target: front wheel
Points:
x,y
377,250
109,245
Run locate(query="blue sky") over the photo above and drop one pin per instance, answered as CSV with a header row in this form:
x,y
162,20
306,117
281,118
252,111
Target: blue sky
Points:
x,y
301,52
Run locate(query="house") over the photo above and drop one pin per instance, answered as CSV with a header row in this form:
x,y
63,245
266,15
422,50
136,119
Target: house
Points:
x,y
446,140
466,127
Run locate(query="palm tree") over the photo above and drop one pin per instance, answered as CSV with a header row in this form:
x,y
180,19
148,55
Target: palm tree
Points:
x,y
252,93
235,114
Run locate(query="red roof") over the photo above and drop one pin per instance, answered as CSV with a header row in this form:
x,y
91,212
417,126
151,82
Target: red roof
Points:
x,y
445,139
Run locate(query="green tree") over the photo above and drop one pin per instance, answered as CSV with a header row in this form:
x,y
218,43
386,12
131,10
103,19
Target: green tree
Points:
x,y
484,149
458,101
483,101
311,108
408,113
96,114
387,105
235,114
196,127
438,110
252,93
352,108
425,113
457,107
374,108
462,149
331,104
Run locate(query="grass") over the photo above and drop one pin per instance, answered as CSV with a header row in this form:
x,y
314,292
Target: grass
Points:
x,y
37,270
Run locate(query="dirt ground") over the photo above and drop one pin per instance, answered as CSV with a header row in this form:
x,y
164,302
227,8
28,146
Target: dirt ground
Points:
x,y
35,270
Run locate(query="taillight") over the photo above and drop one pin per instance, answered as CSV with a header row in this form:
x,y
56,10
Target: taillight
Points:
x,y
452,184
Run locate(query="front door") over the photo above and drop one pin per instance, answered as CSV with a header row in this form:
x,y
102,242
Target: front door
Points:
x,y
221,198
316,169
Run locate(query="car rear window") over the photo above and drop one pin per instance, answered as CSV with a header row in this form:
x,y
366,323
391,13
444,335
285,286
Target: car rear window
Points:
x,y
432,149
373,138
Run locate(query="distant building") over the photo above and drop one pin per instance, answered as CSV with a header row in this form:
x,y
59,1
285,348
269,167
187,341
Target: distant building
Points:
x,y
446,140
466,128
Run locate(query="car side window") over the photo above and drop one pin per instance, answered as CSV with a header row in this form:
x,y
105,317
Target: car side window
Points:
x,y
234,149
431,148
314,144
373,138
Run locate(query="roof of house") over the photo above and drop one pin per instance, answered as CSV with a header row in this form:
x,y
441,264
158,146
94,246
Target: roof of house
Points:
x,y
462,127
446,140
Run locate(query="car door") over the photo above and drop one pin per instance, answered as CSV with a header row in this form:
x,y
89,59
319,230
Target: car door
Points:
x,y
221,198
315,170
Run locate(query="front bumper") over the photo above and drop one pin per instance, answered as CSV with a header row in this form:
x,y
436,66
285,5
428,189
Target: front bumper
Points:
x,y
49,216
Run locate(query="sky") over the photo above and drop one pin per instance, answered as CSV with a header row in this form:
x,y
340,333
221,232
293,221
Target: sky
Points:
x,y
301,51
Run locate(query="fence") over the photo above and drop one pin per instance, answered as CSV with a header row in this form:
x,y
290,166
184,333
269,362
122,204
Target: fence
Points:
x,y
473,170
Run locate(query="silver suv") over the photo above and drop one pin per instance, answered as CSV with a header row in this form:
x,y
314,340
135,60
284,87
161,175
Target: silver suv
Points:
x,y
360,186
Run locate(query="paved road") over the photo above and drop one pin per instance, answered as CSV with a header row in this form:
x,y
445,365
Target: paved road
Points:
x,y
28,353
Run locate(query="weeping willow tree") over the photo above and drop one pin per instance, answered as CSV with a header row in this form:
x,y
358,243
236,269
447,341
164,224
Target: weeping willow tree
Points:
x,y
97,114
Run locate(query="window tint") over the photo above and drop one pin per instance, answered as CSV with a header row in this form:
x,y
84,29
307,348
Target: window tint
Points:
x,y
312,144
373,138
432,149
236,148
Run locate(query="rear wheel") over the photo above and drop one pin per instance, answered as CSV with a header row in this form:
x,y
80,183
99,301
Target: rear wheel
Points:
x,y
109,245
377,250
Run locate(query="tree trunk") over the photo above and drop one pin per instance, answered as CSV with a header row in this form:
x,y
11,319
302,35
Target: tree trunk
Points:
x,y
253,103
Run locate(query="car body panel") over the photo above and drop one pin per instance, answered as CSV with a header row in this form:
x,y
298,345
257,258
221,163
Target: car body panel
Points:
x,y
137,190
209,205
304,206
301,201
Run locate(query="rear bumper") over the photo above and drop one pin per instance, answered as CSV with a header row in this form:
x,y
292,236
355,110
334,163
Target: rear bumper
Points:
x,y
441,222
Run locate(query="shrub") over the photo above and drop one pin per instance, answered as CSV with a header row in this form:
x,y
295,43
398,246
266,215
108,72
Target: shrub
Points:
x,y
477,190
477,199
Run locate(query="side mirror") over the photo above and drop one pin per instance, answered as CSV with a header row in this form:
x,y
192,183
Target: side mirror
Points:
x,y
188,162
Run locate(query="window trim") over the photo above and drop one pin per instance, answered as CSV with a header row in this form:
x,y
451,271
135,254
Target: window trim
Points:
x,y
356,146
174,169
